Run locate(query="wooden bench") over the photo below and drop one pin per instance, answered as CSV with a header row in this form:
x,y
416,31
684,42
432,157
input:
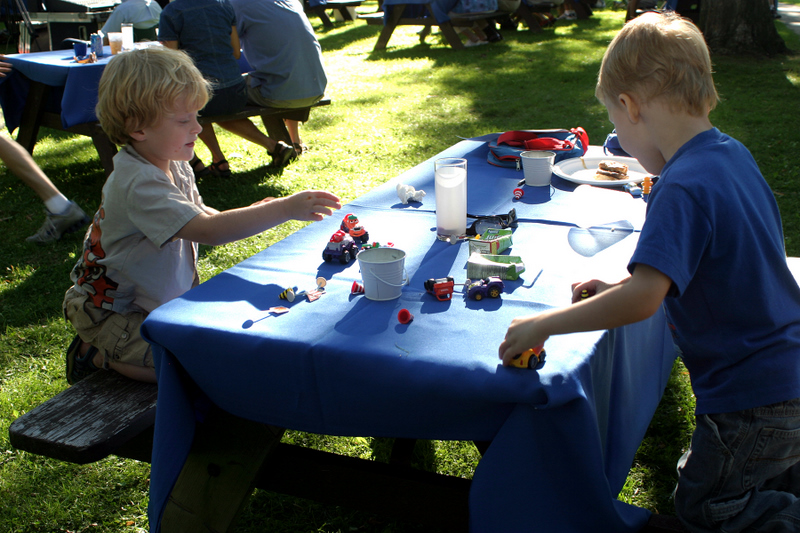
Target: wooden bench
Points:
x,y
337,5
106,150
108,414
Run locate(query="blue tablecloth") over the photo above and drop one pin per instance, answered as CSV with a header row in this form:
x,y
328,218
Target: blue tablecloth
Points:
x,y
563,437
73,85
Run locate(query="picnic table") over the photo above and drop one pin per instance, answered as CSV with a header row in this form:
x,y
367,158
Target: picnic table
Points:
x,y
562,437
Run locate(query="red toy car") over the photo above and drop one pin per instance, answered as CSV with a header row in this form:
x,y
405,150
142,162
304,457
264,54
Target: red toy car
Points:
x,y
340,246
442,288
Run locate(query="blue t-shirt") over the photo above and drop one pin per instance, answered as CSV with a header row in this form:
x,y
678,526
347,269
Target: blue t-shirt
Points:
x,y
714,229
279,43
203,29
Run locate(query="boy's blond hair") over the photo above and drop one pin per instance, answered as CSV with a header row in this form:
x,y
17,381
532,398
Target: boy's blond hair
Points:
x,y
659,55
140,87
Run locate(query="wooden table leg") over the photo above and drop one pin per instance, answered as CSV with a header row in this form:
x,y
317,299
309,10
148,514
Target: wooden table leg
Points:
x,y
389,26
32,115
106,150
450,34
219,473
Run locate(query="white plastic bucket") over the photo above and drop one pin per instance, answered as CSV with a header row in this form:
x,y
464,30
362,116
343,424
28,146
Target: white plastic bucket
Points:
x,y
383,272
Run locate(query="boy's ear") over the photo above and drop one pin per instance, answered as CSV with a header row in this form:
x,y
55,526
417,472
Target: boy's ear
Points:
x,y
137,135
631,106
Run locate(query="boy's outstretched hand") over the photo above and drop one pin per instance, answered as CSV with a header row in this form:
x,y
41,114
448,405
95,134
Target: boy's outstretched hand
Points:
x,y
522,334
311,205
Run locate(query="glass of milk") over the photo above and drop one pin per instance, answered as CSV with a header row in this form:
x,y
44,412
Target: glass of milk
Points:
x,y
451,198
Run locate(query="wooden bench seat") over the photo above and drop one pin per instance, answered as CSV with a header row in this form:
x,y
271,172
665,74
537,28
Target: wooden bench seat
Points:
x,y
107,414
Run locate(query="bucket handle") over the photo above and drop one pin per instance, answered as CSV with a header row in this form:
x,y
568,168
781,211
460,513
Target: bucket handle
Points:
x,y
405,278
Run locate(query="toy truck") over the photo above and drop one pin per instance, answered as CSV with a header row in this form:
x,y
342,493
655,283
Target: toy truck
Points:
x,y
492,287
442,288
357,232
340,246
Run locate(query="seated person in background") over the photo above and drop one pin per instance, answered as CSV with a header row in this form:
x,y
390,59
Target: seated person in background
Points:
x,y
143,14
712,224
141,249
206,30
280,45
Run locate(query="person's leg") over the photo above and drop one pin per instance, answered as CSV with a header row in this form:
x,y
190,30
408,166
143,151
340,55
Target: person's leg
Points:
x,y
209,138
63,215
106,339
741,471
22,165
248,131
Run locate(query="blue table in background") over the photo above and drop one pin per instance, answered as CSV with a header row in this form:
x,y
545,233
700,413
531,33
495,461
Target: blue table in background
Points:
x,y
562,438
53,90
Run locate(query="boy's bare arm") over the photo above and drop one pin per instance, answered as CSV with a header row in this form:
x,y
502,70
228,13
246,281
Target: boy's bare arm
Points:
x,y
632,300
214,227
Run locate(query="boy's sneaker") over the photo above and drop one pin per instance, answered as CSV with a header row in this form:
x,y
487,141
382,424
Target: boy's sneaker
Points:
x,y
79,366
568,15
282,155
55,226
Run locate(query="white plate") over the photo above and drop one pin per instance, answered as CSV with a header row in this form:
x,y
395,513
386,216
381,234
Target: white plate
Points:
x,y
583,170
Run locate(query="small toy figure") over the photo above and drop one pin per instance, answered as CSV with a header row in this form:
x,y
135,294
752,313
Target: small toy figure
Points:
x,y
350,225
357,288
442,288
530,358
647,184
288,294
491,287
407,193
404,316
342,246
584,294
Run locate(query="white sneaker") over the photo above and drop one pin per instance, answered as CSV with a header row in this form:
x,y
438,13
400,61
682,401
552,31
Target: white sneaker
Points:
x,y
469,43
568,15
55,226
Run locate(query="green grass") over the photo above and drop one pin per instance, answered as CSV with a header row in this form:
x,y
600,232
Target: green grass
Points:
x,y
390,111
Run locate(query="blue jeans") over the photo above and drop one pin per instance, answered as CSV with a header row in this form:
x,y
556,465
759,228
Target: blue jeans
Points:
x,y
742,471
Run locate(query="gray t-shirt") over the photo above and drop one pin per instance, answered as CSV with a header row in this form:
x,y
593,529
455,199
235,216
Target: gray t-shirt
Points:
x,y
131,260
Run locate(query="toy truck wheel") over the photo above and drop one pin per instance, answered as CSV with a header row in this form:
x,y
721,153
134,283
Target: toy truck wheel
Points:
x,y
478,296
365,238
345,257
326,257
494,292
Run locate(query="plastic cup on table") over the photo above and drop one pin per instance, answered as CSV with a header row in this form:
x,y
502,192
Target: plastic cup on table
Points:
x,y
115,41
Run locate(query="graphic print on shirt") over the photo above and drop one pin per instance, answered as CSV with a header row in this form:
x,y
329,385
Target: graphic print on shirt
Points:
x,y
92,275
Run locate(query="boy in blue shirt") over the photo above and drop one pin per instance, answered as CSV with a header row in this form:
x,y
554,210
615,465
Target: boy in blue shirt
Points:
x,y
712,253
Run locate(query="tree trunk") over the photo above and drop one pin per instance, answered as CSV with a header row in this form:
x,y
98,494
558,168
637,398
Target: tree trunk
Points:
x,y
740,27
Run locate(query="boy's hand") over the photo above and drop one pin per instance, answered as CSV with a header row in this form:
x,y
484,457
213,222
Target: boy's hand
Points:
x,y
592,288
312,205
523,333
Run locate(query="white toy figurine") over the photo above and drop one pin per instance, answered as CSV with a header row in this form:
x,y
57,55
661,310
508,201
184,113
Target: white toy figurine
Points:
x,y
407,193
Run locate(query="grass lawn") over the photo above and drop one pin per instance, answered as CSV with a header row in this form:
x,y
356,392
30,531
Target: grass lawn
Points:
x,y
390,111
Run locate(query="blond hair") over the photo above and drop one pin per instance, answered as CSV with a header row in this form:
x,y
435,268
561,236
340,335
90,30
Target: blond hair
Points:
x,y
659,55
140,87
